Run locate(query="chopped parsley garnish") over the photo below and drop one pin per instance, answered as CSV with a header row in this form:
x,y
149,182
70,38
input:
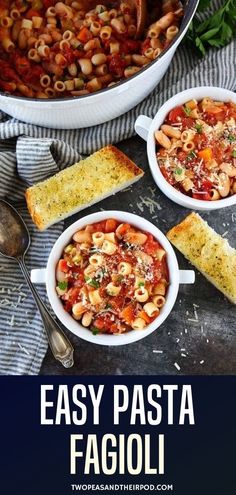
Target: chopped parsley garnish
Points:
x,y
108,306
178,171
93,282
187,110
94,330
141,284
234,153
198,128
231,138
62,285
191,155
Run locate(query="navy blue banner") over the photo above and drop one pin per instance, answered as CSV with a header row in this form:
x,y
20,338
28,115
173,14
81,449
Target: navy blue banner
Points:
x,y
79,439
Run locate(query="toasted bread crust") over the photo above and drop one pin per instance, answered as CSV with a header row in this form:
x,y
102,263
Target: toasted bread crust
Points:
x,y
208,251
121,159
103,173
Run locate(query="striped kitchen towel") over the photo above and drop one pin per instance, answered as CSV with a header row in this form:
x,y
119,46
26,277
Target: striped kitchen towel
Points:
x,y
29,154
25,161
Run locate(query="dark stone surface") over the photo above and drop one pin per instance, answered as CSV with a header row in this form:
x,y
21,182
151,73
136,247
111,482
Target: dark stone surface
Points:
x,y
199,334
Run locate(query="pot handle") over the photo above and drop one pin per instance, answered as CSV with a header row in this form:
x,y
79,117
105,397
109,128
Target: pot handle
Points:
x,y
38,276
186,276
142,126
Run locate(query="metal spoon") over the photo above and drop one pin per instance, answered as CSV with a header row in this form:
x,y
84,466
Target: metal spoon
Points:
x,y
14,243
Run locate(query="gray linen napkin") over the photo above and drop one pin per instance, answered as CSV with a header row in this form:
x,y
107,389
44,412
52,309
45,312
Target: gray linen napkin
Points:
x,y
29,153
23,162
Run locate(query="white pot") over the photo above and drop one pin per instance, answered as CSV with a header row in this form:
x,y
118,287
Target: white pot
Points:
x,y
145,128
93,109
48,276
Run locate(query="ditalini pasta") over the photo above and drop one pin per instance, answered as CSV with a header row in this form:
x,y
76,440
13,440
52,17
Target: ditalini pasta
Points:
x,y
54,49
196,149
111,277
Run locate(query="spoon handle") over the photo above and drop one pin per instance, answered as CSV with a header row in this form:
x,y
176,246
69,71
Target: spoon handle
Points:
x,y
60,345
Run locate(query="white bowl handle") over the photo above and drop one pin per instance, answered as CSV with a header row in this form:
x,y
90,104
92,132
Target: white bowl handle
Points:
x,y
38,276
142,126
186,276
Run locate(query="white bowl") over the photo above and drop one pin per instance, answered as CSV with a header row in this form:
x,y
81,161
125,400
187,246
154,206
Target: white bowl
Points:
x,y
145,127
48,275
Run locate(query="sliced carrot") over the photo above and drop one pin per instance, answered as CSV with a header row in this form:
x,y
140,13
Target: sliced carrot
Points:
x,y
84,35
144,316
205,154
114,328
127,314
123,229
215,109
111,225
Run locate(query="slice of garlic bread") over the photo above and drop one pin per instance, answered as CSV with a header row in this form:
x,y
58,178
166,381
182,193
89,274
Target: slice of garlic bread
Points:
x,y
103,173
210,253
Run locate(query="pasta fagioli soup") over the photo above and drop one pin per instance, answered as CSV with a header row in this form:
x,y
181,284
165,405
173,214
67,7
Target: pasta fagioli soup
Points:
x,y
113,277
51,49
196,149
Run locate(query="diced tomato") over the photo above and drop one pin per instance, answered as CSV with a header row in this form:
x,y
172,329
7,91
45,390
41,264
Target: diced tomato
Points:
x,y
145,45
49,3
99,226
167,174
7,86
69,54
182,155
67,305
62,266
32,13
33,76
117,302
151,247
130,46
110,225
117,65
205,196
176,114
99,323
22,65
187,122
74,295
84,35
79,282
206,185
200,140
104,323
